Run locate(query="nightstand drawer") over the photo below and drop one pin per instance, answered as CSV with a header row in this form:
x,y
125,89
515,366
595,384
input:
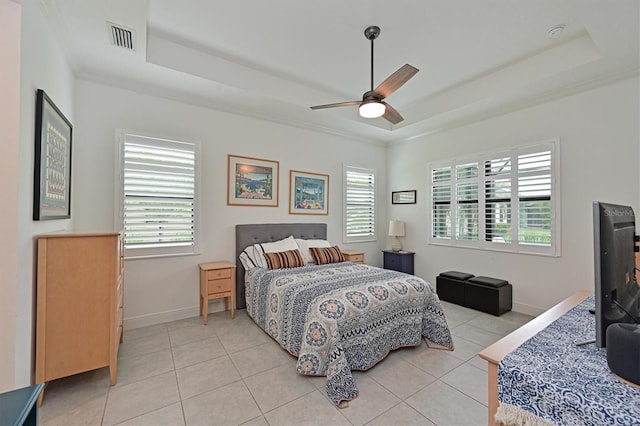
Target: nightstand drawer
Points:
x,y
392,262
216,274
355,256
218,286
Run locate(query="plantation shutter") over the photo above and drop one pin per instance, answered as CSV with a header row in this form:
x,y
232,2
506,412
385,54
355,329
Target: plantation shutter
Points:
x,y
441,196
359,204
497,192
534,198
159,192
467,202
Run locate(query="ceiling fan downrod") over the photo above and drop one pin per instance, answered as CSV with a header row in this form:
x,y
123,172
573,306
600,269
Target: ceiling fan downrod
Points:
x,y
371,33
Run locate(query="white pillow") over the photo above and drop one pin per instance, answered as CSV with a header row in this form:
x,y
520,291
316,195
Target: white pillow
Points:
x,y
253,256
304,248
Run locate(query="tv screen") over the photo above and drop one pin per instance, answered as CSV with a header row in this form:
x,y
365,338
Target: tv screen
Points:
x,y
616,290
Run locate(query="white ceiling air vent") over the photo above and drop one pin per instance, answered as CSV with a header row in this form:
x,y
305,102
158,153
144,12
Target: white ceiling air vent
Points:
x,y
121,36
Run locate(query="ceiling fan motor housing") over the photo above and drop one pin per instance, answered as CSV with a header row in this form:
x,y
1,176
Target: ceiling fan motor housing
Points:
x,y
371,96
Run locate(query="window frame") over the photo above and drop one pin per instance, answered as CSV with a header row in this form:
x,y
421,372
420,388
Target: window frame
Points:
x,y
346,238
167,251
554,249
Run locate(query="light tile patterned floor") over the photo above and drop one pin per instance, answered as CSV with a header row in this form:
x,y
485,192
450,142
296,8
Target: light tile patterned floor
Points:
x,y
231,373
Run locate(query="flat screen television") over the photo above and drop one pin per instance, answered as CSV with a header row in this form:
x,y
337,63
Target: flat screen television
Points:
x,y
617,292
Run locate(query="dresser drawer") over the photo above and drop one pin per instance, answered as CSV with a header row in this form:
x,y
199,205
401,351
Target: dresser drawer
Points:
x,y
119,318
356,258
216,274
218,286
119,294
117,337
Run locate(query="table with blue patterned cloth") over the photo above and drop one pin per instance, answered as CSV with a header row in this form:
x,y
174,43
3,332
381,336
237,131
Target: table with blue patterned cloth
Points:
x,y
552,378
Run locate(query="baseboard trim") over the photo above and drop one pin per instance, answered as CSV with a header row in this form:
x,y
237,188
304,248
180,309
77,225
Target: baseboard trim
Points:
x,y
527,309
168,316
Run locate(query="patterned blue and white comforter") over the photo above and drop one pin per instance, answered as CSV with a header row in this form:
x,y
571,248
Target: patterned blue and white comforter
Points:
x,y
344,316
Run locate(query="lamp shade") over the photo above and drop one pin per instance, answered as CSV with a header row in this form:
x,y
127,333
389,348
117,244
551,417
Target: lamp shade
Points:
x,y
396,228
371,109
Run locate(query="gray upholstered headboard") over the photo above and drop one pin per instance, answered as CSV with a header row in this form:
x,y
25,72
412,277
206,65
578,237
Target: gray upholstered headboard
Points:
x,y
247,235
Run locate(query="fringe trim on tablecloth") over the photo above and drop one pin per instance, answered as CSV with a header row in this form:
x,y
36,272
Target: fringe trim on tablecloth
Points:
x,y
510,415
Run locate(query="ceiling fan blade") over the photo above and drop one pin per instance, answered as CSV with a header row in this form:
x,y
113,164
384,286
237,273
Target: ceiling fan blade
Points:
x,y
339,104
391,115
395,80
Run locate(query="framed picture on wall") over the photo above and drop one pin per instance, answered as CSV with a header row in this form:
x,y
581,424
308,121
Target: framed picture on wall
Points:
x,y
52,165
252,181
403,197
308,193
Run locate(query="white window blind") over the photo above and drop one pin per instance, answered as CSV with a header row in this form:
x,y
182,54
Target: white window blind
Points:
x,y
441,196
467,201
158,195
497,193
503,201
534,198
359,202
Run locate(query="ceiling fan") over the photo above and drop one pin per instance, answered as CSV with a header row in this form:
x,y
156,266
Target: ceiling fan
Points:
x,y
372,104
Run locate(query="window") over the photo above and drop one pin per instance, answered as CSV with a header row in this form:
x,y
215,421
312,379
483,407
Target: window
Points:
x,y
502,201
359,204
158,195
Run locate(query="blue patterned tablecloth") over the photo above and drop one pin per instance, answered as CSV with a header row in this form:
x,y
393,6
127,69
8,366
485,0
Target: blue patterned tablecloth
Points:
x,y
552,378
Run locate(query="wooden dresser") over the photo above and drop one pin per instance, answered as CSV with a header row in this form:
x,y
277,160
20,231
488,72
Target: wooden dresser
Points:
x,y
80,285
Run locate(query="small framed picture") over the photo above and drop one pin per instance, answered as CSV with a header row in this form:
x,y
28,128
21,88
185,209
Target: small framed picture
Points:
x,y
52,171
252,181
308,193
403,197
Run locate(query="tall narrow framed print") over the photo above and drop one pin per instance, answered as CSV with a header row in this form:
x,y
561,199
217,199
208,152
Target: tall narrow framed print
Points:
x,y
52,166
308,193
252,181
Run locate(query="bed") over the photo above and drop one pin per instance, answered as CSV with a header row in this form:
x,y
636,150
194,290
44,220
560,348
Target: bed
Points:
x,y
339,316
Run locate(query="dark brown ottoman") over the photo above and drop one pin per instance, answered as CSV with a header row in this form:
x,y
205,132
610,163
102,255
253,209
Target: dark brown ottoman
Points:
x,y
450,286
491,295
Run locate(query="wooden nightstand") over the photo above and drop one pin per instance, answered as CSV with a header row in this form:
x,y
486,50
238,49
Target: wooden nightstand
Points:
x,y
217,279
355,256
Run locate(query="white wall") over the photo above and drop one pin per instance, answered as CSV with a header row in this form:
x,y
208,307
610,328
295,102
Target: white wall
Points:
x,y
42,66
167,288
10,125
599,149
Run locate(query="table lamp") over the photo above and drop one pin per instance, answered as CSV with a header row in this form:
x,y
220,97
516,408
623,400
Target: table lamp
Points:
x,y
396,229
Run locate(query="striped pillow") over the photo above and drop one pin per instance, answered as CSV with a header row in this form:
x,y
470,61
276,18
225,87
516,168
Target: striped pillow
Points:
x,y
324,255
284,259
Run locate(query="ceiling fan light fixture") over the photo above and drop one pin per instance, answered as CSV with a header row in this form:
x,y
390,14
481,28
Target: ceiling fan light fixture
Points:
x,y
372,109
